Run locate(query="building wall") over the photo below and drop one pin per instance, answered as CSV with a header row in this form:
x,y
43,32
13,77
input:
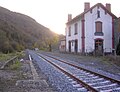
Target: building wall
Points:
x,y
62,46
90,29
90,19
117,32
73,37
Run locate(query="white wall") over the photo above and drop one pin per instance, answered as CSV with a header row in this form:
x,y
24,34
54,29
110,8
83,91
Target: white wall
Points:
x,y
73,36
90,19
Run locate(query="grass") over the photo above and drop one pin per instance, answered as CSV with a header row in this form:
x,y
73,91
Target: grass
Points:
x,y
16,65
20,54
5,57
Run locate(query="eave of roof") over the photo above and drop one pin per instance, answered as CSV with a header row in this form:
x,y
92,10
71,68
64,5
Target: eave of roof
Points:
x,y
63,40
98,4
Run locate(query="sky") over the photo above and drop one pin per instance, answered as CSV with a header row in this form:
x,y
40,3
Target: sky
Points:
x,y
53,13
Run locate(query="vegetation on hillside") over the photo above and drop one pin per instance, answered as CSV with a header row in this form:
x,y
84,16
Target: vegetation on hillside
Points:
x,y
18,32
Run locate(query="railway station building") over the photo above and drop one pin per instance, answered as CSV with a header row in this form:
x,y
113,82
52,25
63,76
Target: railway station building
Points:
x,y
92,30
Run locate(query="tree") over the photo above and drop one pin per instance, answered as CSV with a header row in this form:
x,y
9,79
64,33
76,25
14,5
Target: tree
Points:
x,y
50,42
7,48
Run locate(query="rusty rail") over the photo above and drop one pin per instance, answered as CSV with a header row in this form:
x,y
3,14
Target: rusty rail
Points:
x,y
106,77
90,88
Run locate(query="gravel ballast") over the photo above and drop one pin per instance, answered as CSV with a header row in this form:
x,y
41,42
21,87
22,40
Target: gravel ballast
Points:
x,y
95,64
56,78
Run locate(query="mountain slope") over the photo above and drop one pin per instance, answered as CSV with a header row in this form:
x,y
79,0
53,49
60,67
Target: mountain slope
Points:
x,y
18,31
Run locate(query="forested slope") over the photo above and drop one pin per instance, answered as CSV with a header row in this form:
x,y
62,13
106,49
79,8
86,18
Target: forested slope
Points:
x,y
18,31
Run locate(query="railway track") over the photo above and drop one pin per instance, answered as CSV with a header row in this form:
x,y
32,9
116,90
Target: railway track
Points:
x,y
89,80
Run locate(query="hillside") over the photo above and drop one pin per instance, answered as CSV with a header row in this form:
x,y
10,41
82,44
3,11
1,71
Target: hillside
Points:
x,y
18,31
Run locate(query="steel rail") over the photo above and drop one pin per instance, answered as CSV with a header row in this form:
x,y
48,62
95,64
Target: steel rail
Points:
x,y
106,77
90,88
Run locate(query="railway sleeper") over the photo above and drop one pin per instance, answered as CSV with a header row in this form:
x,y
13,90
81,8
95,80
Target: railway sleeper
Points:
x,y
77,85
82,89
94,81
100,83
110,90
107,87
89,78
84,76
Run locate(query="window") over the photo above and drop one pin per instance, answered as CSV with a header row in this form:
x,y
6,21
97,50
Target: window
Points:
x,y
98,14
98,25
76,28
91,11
69,31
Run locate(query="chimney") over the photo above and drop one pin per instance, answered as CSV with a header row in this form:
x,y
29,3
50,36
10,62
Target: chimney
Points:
x,y
108,7
69,17
86,6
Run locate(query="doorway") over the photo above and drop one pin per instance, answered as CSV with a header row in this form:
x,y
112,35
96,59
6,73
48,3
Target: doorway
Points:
x,y
69,44
76,46
99,46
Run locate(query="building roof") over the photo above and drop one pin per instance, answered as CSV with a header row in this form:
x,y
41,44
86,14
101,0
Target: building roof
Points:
x,y
99,5
64,39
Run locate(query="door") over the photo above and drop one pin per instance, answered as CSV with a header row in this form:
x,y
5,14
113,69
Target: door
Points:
x,y
99,45
69,44
76,46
